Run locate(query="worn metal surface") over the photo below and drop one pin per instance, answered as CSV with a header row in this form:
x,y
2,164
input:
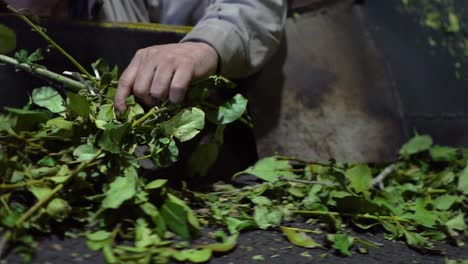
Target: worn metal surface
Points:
x,y
434,100
326,94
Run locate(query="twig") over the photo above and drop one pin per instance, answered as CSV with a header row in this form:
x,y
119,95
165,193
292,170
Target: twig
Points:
x,y
39,204
55,44
21,184
317,232
72,84
3,242
382,176
363,216
153,111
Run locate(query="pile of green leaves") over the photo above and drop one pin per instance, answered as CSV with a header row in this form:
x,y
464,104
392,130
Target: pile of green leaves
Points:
x,y
422,198
70,160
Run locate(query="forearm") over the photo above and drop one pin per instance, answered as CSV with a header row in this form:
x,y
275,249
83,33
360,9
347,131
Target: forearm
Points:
x,y
245,33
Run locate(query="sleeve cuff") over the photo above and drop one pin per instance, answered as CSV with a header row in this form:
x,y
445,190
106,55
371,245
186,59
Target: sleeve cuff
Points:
x,y
224,38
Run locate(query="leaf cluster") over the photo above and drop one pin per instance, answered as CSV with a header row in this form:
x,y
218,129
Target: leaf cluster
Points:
x,y
422,199
72,159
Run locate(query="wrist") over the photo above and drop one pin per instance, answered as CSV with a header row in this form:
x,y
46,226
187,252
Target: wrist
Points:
x,y
208,56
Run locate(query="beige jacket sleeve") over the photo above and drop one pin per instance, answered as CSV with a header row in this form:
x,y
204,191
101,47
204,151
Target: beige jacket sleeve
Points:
x,y
245,33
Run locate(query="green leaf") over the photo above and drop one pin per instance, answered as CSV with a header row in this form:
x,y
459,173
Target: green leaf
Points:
x,y
261,200
265,218
360,177
98,240
179,217
7,39
416,145
439,153
341,242
232,110
193,255
106,113
463,181
27,119
299,238
113,136
7,122
144,236
23,56
40,192
415,239
226,246
47,162
186,125
79,105
444,202
270,169
58,209
99,235
60,127
109,255
84,153
235,225
48,98
157,218
202,159
457,223
121,189
156,184
423,216
454,23
36,56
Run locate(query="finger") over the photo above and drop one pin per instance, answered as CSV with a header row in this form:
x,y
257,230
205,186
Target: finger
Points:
x,y
126,81
180,83
143,81
162,81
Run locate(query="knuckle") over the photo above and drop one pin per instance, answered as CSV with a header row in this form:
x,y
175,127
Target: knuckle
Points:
x,y
184,61
153,51
170,58
178,87
157,93
124,82
140,93
140,52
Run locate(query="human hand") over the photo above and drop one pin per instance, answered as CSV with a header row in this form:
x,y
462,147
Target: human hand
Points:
x,y
165,71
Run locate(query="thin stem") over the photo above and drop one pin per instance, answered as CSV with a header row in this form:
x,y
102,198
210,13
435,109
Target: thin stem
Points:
x,y
55,44
20,184
153,111
144,157
31,211
39,204
69,83
382,176
317,232
308,182
3,242
364,216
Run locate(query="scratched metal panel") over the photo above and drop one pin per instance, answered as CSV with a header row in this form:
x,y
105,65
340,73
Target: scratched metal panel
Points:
x,y
434,100
327,93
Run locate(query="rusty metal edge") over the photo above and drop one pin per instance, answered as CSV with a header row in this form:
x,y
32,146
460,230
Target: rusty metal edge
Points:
x,y
151,27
